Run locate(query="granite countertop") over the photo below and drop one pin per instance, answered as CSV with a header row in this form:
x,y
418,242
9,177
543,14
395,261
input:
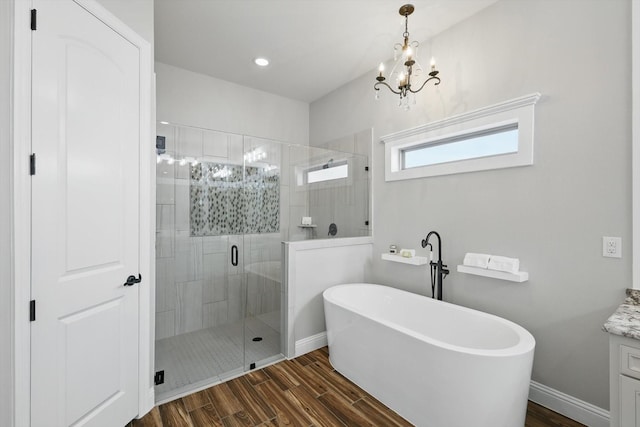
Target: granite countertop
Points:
x,y
626,319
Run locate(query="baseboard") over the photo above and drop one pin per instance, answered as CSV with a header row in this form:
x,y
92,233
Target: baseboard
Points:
x,y
576,409
314,342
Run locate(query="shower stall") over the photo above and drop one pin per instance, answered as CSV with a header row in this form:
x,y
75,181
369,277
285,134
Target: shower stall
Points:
x,y
224,205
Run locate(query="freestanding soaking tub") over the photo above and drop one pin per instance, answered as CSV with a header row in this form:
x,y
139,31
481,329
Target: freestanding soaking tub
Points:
x,y
434,363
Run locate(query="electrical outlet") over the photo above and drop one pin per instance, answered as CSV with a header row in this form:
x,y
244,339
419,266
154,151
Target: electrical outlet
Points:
x,y
612,247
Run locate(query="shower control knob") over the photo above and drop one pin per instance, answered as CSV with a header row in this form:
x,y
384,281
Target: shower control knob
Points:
x,y
132,280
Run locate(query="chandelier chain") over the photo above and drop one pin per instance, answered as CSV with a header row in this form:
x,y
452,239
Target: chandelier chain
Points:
x,y
406,27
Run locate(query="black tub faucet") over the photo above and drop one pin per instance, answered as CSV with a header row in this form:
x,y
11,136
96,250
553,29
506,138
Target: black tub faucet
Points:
x,y
438,269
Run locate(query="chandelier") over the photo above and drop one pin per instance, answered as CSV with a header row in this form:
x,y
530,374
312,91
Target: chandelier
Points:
x,y
406,71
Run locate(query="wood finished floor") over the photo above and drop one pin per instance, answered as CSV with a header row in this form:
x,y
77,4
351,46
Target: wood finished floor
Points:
x,y
305,391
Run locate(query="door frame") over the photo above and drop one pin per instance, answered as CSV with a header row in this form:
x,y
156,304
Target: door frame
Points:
x,y
635,143
21,208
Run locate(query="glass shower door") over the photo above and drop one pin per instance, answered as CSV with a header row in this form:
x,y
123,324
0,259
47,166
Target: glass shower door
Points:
x,y
200,286
264,232
217,257
217,215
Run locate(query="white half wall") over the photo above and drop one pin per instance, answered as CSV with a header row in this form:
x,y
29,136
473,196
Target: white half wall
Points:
x,y
311,266
192,99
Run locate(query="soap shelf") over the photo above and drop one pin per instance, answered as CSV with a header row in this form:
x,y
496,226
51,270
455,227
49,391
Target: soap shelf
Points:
x,y
416,260
308,226
521,276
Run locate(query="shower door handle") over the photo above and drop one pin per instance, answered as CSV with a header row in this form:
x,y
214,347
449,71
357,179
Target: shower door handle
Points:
x,y
234,255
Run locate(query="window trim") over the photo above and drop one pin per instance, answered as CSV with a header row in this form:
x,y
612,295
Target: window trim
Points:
x,y
518,111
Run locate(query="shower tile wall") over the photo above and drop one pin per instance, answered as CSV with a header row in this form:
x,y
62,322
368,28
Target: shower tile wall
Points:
x,y
297,199
263,274
347,206
196,285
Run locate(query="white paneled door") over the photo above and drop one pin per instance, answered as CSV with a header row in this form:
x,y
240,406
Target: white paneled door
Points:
x,y
85,231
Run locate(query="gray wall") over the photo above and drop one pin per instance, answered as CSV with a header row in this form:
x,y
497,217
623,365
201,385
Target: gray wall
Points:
x,y
551,215
192,99
137,14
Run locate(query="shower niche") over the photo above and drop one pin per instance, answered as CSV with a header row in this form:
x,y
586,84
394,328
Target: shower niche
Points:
x,y
224,205
232,199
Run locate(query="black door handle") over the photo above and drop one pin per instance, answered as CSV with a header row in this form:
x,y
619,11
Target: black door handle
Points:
x,y
131,280
234,255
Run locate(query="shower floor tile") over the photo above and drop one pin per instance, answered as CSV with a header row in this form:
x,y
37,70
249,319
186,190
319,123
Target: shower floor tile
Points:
x,y
206,356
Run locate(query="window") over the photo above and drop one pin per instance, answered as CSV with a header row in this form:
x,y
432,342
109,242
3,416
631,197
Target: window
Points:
x,y
471,146
328,173
323,173
499,136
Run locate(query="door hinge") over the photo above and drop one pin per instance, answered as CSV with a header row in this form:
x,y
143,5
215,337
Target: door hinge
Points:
x,y
32,164
32,310
34,18
366,168
158,378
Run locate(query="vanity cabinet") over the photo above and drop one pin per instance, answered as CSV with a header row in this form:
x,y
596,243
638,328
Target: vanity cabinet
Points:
x,y
624,370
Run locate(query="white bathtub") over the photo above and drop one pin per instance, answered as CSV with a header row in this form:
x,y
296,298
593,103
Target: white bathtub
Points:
x,y
434,363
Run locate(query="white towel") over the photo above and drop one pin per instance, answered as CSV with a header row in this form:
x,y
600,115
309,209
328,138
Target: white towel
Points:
x,y
476,260
502,263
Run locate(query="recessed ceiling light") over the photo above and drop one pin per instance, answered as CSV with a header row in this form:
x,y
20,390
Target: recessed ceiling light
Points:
x,y
261,62
164,123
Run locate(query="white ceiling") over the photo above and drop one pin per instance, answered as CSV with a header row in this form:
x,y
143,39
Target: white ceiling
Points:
x,y
314,46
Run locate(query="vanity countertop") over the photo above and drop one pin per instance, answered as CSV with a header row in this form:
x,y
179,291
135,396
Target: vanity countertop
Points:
x,y
626,319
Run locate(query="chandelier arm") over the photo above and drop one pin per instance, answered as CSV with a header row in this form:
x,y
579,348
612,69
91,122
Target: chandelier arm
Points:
x,y
425,82
375,86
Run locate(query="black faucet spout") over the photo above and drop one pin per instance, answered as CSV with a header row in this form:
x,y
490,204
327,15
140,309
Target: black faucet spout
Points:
x,y
438,269
425,242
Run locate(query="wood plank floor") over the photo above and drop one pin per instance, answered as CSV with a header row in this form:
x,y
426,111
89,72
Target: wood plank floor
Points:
x,y
305,391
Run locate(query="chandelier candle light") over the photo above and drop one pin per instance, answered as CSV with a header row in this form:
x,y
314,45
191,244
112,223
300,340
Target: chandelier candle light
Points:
x,y
406,67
